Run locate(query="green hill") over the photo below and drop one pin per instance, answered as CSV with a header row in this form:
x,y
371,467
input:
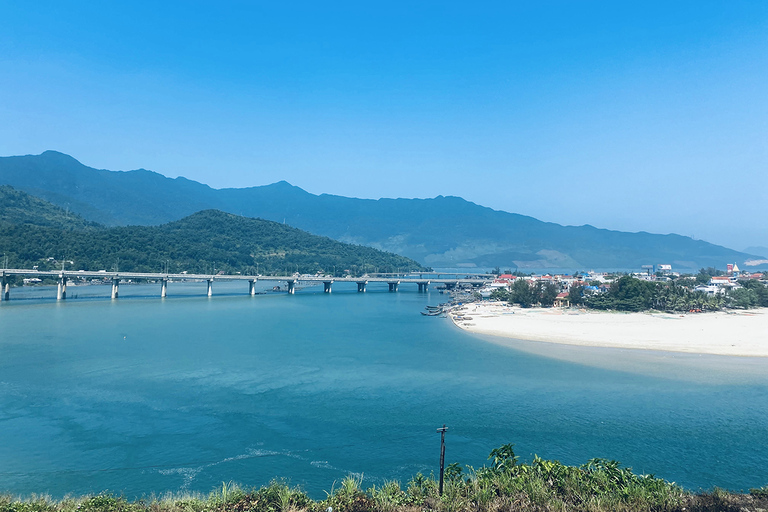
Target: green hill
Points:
x,y
34,232
439,232
17,207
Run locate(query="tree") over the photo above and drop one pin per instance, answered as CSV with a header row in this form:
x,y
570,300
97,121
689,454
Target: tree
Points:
x,y
576,294
627,294
522,293
760,290
548,294
742,298
500,294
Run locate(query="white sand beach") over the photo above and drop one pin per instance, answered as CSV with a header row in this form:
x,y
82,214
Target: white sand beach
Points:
x,y
741,333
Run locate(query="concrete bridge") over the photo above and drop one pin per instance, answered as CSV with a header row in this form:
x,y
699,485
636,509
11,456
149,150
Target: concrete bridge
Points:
x,y
422,280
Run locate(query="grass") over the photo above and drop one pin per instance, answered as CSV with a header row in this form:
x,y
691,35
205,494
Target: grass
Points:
x,y
504,485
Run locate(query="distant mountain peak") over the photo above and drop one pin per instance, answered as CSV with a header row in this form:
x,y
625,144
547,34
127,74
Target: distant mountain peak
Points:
x,y
56,156
284,185
53,152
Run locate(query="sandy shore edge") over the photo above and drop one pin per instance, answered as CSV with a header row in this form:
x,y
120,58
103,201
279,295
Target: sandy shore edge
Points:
x,y
732,333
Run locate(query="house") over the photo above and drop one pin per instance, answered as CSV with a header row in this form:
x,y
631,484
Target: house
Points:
x,y
710,289
562,300
723,281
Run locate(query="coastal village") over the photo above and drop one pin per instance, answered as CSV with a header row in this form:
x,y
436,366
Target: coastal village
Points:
x,y
729,327
599,282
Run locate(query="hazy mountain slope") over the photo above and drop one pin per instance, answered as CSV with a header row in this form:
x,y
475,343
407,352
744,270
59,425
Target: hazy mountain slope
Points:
x,y
443,231
762,251
107,197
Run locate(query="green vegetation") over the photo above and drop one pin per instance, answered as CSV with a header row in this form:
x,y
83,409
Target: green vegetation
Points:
x,y
19,208
541,485
527,294
36,233
628,293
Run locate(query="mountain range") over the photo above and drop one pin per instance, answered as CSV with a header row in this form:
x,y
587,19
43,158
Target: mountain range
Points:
x,y
438,232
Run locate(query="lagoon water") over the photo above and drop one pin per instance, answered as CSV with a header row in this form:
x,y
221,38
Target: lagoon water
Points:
x,y
142,395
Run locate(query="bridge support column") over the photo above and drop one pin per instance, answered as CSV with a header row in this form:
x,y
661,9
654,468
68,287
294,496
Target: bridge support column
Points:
x,y
61,291
210,287
393,286
423,286
361,286
115,287
5,288
163,288
251,287
327,286
291,287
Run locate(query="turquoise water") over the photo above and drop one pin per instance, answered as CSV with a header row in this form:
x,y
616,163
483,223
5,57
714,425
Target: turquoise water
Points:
x,y
143,395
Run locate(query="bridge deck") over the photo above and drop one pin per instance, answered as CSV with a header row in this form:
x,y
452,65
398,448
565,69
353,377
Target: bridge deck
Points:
x,y
411,278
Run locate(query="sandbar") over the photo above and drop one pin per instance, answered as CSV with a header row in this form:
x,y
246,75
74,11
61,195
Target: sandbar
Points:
x,y
729,333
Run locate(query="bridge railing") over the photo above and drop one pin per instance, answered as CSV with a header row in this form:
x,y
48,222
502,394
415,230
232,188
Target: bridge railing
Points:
x,y
63,276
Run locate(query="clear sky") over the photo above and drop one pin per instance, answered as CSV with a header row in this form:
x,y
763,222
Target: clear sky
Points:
x,y
625,115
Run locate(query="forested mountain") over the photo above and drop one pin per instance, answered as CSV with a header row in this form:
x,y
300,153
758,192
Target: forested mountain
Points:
x,y
439,232
17,207
34,232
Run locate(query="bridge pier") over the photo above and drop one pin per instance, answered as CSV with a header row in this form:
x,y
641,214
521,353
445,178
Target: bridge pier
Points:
x,y
61,291
291,287
393,286
361,286
251,287
210,287
327,286
163,288
423,286
5,288
115,287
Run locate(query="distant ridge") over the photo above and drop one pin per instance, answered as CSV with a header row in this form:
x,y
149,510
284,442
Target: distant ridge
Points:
x,y
439,232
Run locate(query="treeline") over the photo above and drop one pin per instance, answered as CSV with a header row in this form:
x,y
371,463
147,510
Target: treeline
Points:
x,y
628,293
528,293
206,242
600,485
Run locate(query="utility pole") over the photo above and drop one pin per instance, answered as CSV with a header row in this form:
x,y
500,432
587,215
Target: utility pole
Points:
x,y
442,455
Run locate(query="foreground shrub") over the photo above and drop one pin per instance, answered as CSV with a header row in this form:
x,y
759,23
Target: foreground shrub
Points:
x,y
504,485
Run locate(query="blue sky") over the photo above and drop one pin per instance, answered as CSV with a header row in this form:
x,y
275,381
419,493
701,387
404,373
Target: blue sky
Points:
x,y
633,116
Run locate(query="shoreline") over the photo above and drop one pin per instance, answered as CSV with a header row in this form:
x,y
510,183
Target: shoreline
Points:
x,y
732,333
